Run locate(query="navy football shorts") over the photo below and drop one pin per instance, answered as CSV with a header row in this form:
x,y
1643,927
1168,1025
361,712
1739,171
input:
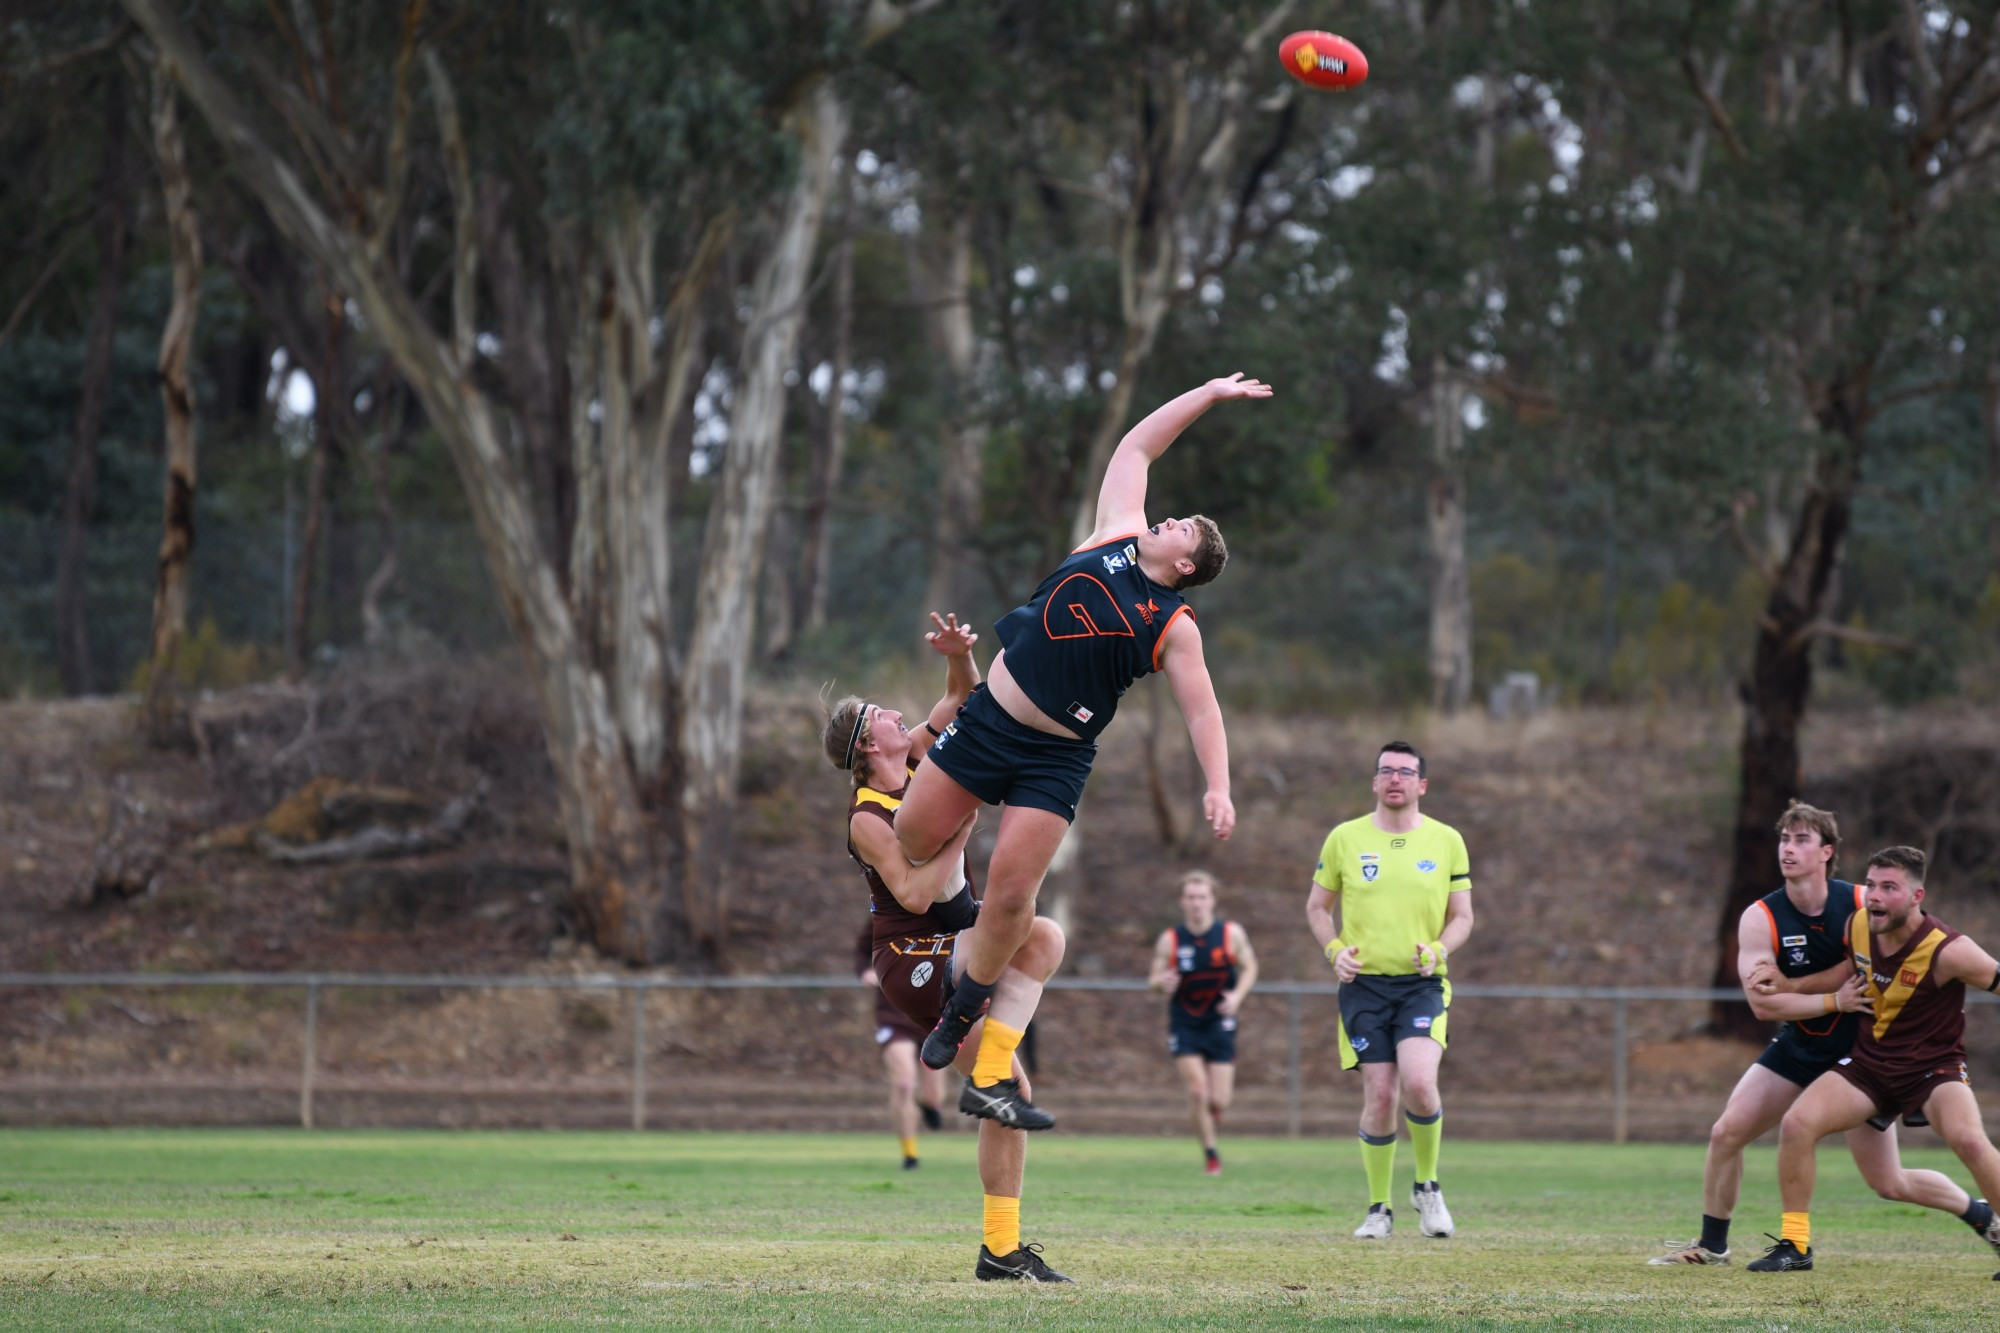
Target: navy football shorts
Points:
x,y
1003,762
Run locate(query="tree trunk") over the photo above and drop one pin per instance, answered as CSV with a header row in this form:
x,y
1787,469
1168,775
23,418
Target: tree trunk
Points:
x,y
80,492
1774,705
945,256
178,406
329,427
830,449
711,735
1989,421
389,413
1451,597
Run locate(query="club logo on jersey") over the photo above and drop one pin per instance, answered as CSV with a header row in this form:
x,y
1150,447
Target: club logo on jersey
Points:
x,y
1427,866
1079,712
1798,958
921,973
1187,958
1116,561
950,730
1793,941
1369,872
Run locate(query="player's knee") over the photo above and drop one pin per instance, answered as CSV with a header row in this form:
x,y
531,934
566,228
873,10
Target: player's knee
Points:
x,y
903,1087
1895,1188
1043,952
1726,1133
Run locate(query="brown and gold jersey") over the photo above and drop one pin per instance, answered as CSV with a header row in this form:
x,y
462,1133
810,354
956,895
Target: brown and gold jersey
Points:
x,y
1919,1022
889,919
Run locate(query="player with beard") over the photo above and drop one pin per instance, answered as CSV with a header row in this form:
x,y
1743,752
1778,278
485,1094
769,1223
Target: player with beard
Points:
x,y
1909,1054
1798,929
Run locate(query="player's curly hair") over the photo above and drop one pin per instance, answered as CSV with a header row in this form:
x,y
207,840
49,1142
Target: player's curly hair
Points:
x,y
839,736
1211,553
1910,860
1799,815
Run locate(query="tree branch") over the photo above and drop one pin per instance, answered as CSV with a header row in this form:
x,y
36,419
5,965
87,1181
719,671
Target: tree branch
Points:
x,y
35,288
1759,561
465,237
396,168
1717,115
1830,629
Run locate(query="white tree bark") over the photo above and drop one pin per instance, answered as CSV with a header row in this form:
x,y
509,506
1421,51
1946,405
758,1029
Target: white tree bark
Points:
x,y
944,258
1451,589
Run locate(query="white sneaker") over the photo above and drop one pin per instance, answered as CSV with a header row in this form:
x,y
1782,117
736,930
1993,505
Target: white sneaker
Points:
x,y
1690,1253
1433,1218
1381,1220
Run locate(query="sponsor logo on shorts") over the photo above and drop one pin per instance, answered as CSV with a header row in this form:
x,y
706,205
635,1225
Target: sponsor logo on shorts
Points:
x,y
882,1035
1423,1022
1359,1043
1793,941
921,973
1427,866
1229,1025
1079,712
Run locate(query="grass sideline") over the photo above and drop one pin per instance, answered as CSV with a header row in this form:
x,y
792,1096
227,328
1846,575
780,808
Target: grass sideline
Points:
x,y
229,1229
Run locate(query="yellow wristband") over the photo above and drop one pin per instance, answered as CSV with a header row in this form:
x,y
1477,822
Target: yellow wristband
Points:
x,y
1437,949
1828,1004
1333,946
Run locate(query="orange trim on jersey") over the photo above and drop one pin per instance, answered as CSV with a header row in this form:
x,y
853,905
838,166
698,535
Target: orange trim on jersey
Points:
x,y
1161,642
1092,546
1772,919
1227,952
1076,609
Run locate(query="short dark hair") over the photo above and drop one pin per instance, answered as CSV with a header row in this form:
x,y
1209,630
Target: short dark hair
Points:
x,y
1799,815
1404,747
1909,860
1211,553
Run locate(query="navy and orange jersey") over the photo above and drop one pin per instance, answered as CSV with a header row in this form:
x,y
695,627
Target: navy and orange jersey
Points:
x,y
1804,945
1919,1023
1090,630
1207,967
889,919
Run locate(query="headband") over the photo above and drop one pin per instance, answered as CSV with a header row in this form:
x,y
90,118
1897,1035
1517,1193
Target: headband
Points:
x,y
854,737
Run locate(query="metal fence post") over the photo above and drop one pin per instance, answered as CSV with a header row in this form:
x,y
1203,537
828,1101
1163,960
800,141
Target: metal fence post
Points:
x,y
639,1055
306,1073
1619,1061
1294,1092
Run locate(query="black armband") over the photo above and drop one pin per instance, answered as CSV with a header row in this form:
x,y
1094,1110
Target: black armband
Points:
x,y
957,913
1995,987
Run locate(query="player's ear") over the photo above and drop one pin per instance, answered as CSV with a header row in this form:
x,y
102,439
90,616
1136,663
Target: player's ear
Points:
x,y
1184,566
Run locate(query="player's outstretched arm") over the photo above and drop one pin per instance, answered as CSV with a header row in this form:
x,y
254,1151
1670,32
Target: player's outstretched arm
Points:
x,y
953,642
1962,960
1121,497
1163,973
1187,672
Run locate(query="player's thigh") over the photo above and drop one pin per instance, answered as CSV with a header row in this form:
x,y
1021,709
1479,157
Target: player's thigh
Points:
x,y
1876,1153
1194,1073
1417,1062
932,810
1831,1105
899,1058
1954,1113
1378,1081
1022,849
1221,1083
1757,1104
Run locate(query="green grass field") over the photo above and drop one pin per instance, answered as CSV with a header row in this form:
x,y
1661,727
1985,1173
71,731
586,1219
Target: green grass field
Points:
x,y
287,1230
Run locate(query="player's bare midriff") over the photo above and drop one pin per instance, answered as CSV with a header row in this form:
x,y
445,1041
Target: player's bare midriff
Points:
x,y
1015,703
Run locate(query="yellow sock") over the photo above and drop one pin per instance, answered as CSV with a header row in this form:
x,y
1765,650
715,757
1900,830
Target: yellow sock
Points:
x,y
1797,1229
1003,1224
909,1143
996,1056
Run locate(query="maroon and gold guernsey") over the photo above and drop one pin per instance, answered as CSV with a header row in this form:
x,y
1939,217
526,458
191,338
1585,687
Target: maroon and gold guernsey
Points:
x,y
889,919
1919,1023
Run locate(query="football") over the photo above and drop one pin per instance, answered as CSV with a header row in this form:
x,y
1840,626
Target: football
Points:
x,y
1323,60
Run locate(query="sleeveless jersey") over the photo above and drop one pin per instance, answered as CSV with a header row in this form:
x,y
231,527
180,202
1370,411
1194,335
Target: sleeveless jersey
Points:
x,y
1207,969
890,919
1918,1023
1090,630
1804,945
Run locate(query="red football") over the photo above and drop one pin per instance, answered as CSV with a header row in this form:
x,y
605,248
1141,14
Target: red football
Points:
x,y
1323,60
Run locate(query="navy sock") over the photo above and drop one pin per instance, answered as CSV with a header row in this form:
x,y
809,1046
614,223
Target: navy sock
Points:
x,y
1715,1234
1978,1216
969,996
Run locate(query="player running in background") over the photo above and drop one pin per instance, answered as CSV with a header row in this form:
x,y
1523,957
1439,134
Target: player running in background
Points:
x,y
1110,613
1206,966
1798,929
1909,1054
1403,888
914,1092
922,915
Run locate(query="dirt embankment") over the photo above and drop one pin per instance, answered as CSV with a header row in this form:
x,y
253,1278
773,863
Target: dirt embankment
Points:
x,y
1597,842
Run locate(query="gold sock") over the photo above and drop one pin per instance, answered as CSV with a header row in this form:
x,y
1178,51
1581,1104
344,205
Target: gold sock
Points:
x,y
1003,1224
996,1054
909,1143
1797,1229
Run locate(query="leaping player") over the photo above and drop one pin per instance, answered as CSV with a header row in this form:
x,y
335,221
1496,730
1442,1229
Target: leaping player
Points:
x,y
1110,613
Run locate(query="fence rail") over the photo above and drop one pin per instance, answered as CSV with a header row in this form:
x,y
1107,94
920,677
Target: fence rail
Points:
x,y
639,985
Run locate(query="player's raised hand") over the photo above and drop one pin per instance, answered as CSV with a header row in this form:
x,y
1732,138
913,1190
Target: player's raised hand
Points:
x,y
1347,964
1220,813
1853,996
950,638
1236,386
